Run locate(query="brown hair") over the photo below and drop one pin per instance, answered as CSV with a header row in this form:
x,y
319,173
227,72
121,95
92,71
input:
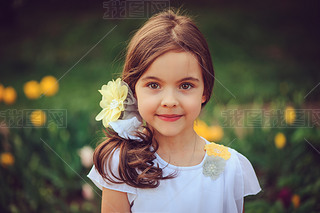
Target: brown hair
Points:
x,y
164,32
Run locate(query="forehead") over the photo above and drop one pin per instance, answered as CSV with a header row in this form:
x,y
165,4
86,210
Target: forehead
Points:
x,y
174,65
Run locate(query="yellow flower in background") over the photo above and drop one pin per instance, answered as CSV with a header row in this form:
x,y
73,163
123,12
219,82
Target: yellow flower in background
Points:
x,y
201,128
215,150
212,133
32,89
280,140
215,133
6,159
290,115
38,118
113,96
295,200
9,95
49,85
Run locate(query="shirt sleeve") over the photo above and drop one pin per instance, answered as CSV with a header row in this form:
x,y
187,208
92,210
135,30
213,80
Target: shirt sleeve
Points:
x,y
251,184
241,181
100,182
245,180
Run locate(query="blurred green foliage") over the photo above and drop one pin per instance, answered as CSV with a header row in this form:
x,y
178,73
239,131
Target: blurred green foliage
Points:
x,y
47,175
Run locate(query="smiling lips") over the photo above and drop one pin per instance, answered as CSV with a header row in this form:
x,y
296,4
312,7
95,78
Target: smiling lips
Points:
x,y
169,117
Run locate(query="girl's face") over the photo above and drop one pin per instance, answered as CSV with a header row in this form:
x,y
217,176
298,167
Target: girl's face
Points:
x,y
170,93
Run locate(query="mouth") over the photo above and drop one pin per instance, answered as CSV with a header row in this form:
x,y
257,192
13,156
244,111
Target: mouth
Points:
x,y
169,117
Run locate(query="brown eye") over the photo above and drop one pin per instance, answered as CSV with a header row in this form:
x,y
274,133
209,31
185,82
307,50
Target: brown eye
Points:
x,y
186,86
153,85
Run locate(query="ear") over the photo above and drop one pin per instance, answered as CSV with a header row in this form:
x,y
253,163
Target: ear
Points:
x,y
203,99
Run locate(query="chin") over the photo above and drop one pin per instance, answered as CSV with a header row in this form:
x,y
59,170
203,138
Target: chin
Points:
x,y
168,132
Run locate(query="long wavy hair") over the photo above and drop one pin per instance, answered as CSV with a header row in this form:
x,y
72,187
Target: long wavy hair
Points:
x,y
164,32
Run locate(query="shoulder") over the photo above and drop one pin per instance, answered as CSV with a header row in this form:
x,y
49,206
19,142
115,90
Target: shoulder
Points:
x,y
236,163
233,158
238,171
237,158
226,159
239,162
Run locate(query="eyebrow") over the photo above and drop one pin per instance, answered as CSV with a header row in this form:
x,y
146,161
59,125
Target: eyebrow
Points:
x,y
158,79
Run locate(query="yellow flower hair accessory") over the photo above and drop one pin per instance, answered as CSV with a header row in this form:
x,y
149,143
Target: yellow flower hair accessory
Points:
x,y
215,163
113,96
119,109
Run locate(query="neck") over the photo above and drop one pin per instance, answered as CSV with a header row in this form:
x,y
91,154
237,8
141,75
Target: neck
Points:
x,y
178,143
182,150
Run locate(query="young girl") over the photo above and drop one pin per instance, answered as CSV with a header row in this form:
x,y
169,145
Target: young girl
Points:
x,y
152,159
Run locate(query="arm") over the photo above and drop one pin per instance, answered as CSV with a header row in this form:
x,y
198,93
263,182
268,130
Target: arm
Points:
x,y
114,201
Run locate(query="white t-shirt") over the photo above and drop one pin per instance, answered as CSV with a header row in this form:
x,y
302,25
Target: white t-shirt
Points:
x,y
190,191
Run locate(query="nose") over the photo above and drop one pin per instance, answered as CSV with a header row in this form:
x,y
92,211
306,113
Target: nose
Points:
x,y
169,98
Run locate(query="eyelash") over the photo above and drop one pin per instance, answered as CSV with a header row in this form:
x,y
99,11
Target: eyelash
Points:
x,y
189,84
151,84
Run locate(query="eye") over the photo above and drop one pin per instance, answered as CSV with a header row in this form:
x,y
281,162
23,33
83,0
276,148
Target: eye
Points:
x,y
186,86
153,85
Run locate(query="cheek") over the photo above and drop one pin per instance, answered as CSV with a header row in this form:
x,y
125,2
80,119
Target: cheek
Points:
x,y
193,107
146,106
